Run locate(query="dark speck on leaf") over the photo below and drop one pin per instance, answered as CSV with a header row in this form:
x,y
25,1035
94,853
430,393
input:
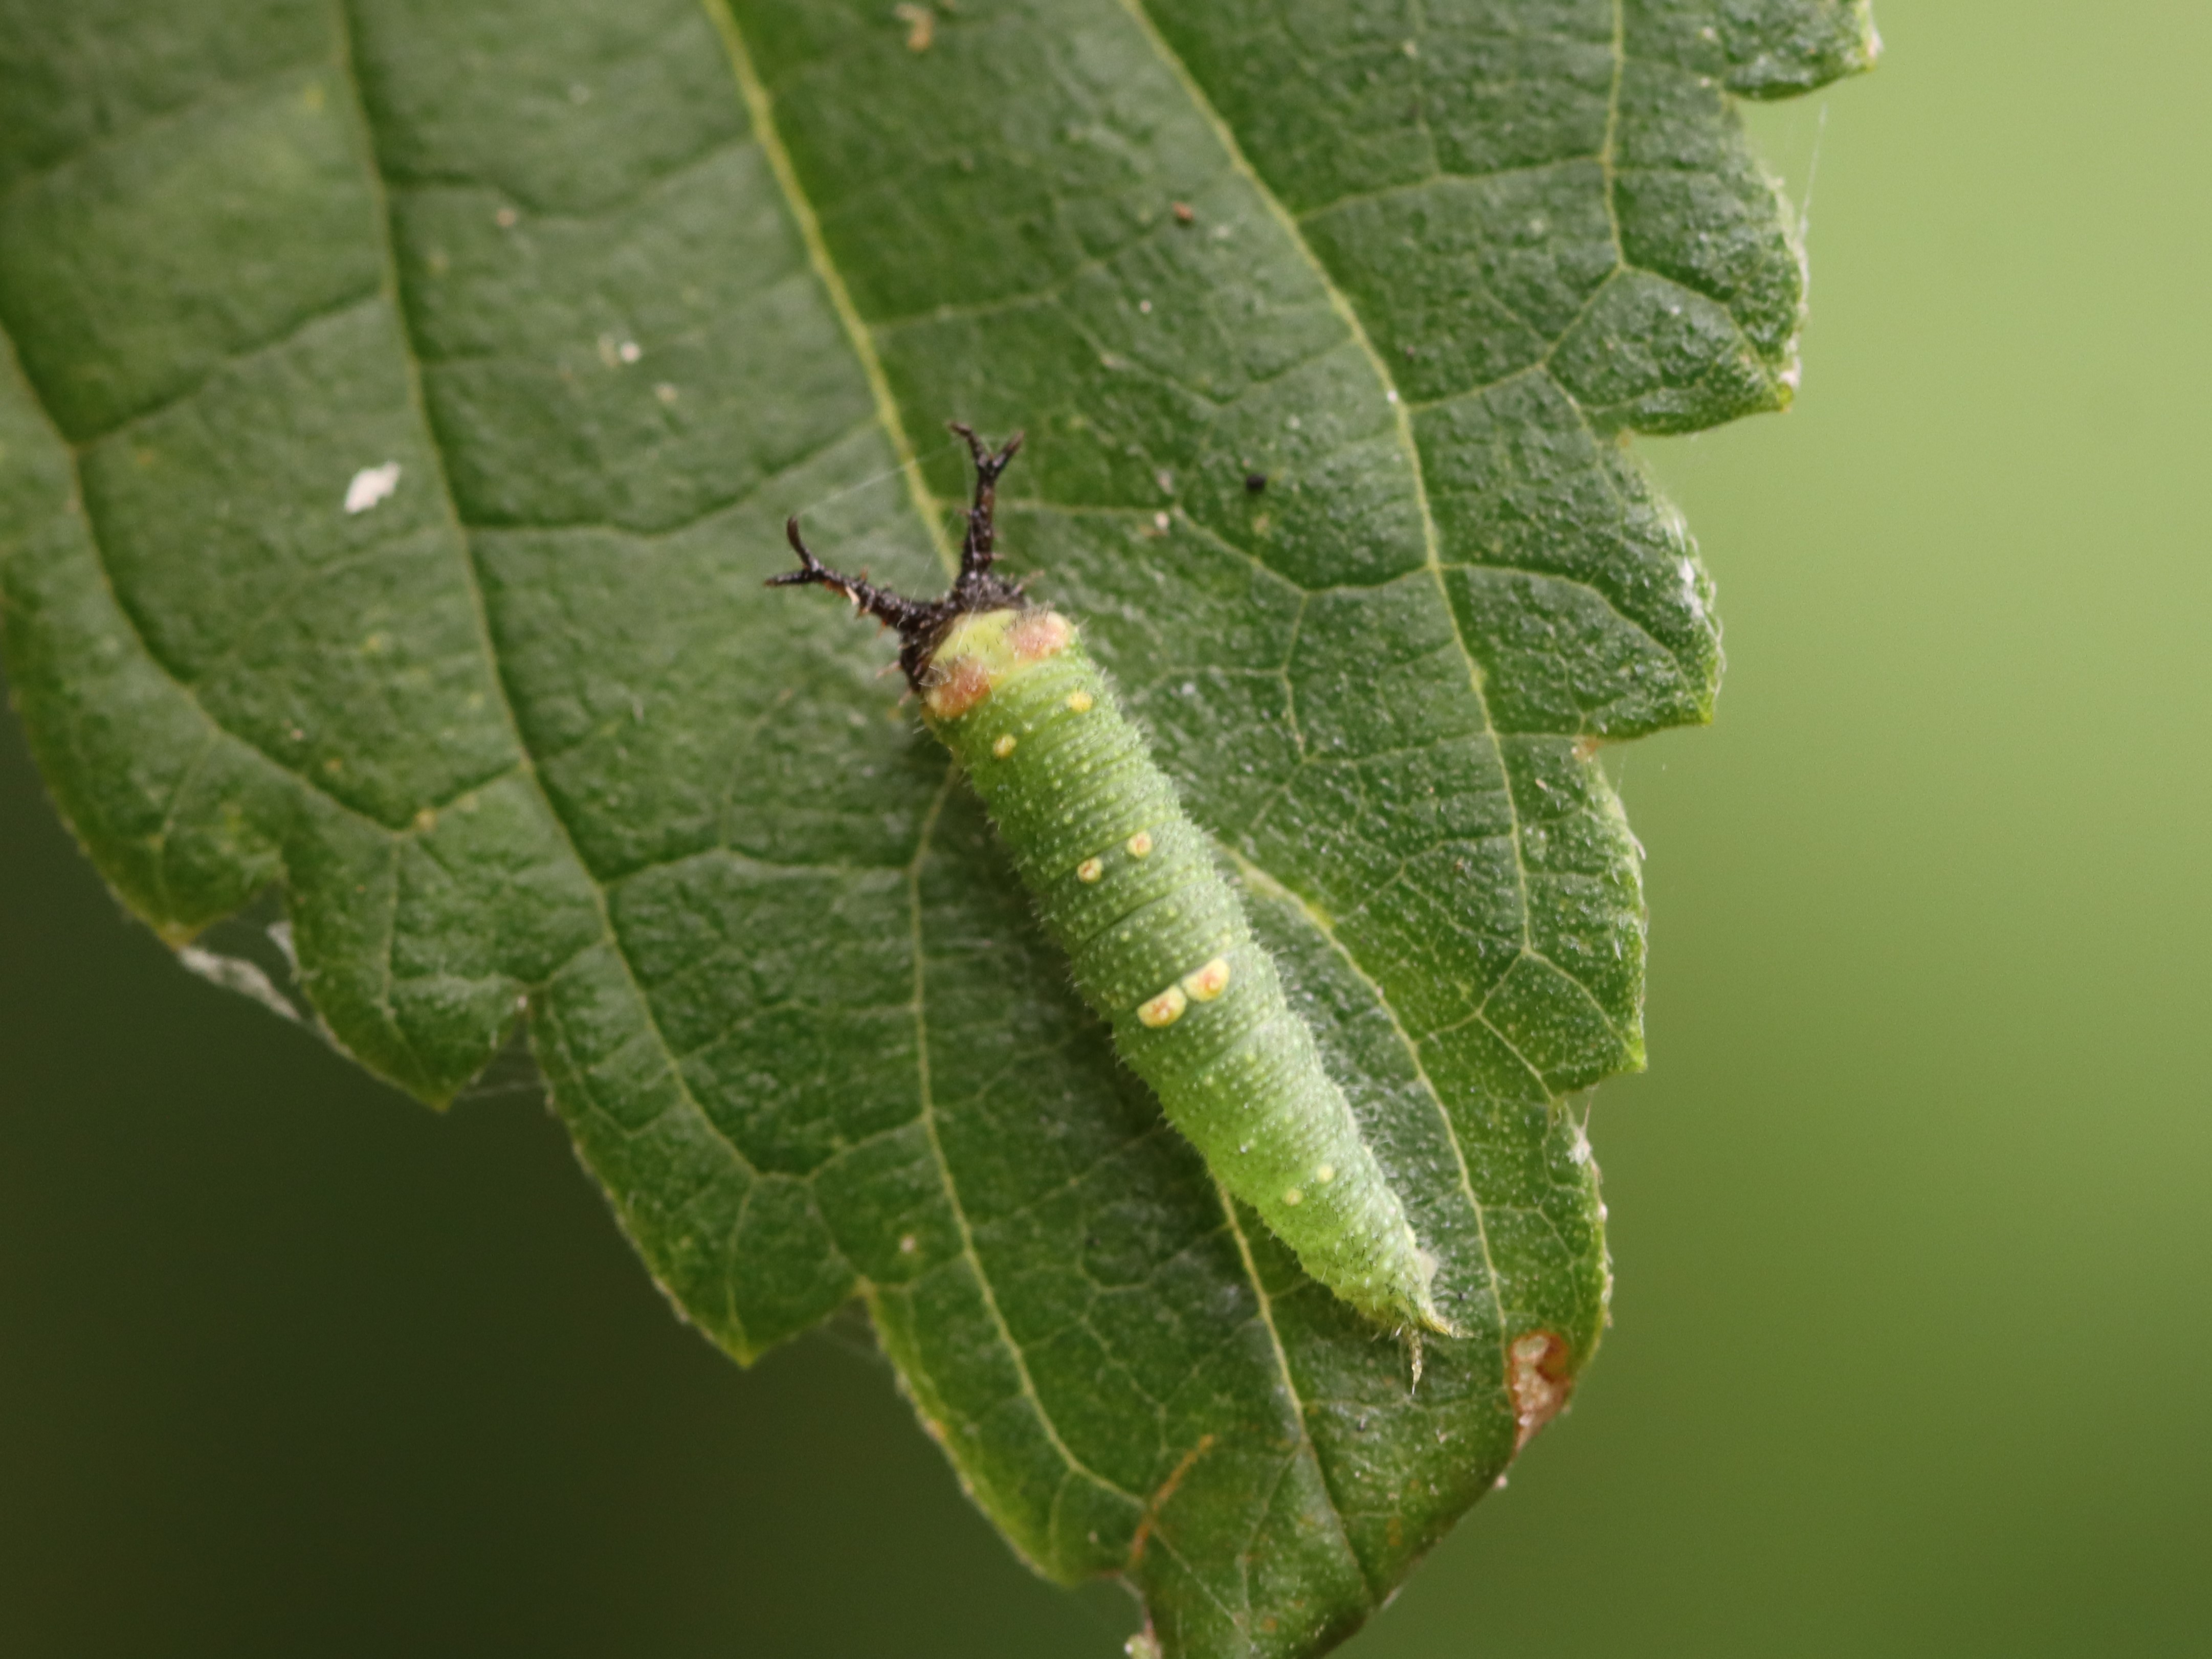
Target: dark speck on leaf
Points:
x,y
1255,481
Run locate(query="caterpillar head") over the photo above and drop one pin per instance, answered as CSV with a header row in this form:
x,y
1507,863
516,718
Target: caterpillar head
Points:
x,y
940,646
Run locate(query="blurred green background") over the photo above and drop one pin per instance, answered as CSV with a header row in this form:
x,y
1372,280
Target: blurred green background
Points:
x,y
1910,1217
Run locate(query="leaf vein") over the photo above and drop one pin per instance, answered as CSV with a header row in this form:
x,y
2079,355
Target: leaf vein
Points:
x,y
474,577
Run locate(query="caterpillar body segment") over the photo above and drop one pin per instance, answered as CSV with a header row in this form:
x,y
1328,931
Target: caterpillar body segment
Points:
x,y
1158,942
1237,1070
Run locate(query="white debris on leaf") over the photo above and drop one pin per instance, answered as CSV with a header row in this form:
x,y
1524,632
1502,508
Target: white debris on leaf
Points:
x,y
1696,600
370,485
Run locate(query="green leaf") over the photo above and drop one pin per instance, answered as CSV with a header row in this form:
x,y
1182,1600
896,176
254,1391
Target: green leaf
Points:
x,y
520,740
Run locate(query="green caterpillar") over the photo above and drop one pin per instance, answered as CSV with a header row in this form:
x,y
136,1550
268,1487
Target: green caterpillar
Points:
x,y
1160,944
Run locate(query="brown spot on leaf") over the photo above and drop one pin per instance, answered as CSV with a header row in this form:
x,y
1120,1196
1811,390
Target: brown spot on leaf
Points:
x,y
1536,1370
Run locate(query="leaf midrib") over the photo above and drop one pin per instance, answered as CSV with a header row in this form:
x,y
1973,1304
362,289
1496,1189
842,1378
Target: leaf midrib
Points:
x,y
1306,1447
761,110
760,107
928,1119
759,113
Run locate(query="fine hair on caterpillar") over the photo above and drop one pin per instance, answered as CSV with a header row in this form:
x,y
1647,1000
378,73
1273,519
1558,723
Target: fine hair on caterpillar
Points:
x,y
1159,944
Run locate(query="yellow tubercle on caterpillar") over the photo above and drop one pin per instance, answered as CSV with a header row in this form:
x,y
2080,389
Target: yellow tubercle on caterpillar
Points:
x,y
1080,702
1090,870
1005,746
1140,844
1164,1009
1204,984
980,653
